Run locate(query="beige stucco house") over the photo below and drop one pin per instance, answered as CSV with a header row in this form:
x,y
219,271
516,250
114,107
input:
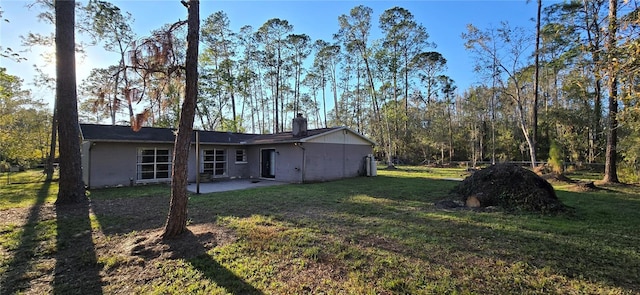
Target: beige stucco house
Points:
x,y
118,156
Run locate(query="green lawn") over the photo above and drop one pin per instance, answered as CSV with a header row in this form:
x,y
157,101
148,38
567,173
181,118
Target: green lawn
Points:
x,y
22,189
378,235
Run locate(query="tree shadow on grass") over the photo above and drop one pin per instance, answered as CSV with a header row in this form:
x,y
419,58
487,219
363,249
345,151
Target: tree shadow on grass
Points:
x,y
190,247
76,270
15,278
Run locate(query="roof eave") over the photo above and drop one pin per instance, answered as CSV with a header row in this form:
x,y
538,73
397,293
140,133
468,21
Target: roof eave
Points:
x,y
127,141
336,130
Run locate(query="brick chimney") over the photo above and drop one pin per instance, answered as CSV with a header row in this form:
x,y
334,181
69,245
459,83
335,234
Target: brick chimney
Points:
x,y
299,126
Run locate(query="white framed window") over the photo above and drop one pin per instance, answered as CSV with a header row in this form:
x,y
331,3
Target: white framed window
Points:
x,y
241,156
153,164
214,162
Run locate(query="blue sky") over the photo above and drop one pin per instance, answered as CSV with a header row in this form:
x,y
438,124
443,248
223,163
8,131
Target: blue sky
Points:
x,y
445,21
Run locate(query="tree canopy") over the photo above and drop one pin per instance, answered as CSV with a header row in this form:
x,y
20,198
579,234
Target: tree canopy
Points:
x,y
24,122
533,90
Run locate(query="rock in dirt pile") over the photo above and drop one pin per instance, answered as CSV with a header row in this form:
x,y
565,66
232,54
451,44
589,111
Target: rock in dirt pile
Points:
x,y
509,187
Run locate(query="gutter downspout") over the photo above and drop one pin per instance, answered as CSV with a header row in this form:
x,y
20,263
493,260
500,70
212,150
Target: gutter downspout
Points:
x,y
304,159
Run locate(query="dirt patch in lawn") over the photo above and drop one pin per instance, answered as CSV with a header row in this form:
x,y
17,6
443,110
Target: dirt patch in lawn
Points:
x,y
105,245
20,216
132,260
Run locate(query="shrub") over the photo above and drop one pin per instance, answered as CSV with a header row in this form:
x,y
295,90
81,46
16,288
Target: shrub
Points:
x,y
555,157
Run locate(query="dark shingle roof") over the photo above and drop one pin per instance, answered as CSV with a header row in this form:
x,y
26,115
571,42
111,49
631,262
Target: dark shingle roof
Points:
x,y
92,132
223,137
104,133
287,136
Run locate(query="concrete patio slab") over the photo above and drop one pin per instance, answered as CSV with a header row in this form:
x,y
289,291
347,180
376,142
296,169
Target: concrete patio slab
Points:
x,y
231,185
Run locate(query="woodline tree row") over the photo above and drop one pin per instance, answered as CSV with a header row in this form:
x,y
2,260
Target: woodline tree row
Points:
x,y
391,89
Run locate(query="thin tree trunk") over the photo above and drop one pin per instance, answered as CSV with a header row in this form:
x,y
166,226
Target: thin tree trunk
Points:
x,y
123,70
324,99
277,93
252,107
71,185
113,98
297,87
451,150
525,131
537,77
374,98
177,219
334,88
358,99
594,49
406,94
493,108
259,93
610,167
232,91
394,82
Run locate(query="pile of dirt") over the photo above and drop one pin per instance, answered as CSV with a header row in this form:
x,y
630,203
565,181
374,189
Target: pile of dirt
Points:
x,y
510,187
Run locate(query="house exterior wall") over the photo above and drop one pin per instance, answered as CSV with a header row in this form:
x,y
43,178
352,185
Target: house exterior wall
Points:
x,y
112,164
335,156
239,169
331,161
253,157
115,164
288,165
328,157
234,169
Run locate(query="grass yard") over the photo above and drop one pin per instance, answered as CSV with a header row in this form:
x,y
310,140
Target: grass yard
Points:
x,y
380,235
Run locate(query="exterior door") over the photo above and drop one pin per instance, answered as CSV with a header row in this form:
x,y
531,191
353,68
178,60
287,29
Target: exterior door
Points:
x,y
268,169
